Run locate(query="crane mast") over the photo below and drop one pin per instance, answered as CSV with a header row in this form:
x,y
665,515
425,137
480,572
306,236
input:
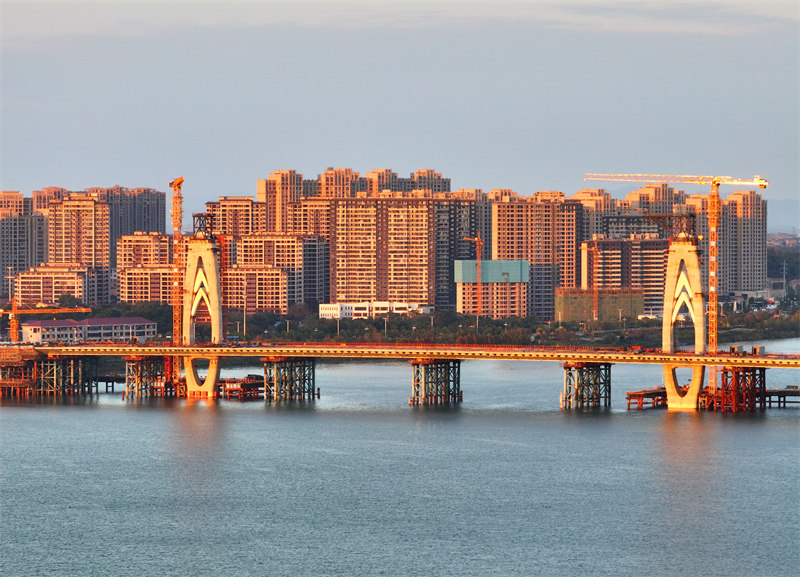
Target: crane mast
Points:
x,y
713,214
478,252
595,289
177,271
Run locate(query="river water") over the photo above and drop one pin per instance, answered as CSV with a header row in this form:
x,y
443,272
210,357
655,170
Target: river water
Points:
x,y
358,483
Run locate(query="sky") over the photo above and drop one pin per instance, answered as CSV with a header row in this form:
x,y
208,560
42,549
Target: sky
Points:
x,y
526,96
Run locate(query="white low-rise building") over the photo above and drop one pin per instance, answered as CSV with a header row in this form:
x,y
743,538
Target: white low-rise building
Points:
x,y
368,310
70,331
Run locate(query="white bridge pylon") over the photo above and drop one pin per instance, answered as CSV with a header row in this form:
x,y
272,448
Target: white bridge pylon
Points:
x,y
201,286
683,291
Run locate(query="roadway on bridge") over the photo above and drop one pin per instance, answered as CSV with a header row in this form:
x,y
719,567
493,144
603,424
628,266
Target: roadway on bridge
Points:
x,y
412,351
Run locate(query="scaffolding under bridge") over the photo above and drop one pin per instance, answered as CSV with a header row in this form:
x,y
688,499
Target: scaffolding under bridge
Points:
x,y
586,385
435,381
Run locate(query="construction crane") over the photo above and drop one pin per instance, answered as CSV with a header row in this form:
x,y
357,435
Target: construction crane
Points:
x,y
713,227
177,272
478,252
15,312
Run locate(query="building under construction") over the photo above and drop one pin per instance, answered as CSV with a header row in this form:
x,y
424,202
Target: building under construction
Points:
x,y
578,305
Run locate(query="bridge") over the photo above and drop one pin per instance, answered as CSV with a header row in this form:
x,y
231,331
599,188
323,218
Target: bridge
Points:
x,y
289,367
411,351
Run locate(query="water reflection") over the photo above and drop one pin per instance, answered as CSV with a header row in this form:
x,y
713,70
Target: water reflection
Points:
x,y
51,400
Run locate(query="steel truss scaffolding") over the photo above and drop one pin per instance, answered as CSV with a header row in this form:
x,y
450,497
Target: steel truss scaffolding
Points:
x,y
740,389
289,379
435,381
586,385
143,375
67,375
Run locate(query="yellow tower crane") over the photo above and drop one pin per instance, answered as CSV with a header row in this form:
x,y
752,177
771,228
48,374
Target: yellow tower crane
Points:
x,y
713,227
16,312
177,272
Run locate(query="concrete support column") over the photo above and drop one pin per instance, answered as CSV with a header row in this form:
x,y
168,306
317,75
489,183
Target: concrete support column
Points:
x,y
683,294
201,288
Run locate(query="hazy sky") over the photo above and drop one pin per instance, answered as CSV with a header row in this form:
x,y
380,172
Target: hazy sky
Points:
x,y
523,95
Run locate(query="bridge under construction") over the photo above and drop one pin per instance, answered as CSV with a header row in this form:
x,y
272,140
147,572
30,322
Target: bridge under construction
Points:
x,y
290,369
735,381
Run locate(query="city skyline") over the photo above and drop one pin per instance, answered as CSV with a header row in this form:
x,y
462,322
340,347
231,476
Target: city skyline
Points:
x,y
524,96
380,237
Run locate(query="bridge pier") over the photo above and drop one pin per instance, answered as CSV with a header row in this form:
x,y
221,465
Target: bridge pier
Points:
x,y
435,381
741,389
18,380
65,375
289,379
586,385
681,398
142,375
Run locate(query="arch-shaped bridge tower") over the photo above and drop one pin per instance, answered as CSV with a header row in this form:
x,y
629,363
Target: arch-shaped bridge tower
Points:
x,y
683,291
201,285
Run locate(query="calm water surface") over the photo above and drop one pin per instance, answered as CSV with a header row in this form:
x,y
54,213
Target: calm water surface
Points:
x,y
358,483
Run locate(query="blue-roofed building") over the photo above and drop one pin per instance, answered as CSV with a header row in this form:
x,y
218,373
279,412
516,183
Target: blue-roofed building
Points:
x,y
503,288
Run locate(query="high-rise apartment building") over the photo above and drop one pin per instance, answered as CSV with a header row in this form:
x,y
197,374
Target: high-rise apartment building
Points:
x,y
144,269
311,216
544,230
748,210
256,288
278,192
42,198
383,249
639,262
596,203
48,283
337,183
302,258
379,180
655,199
131,210
23,238
237,215
79,242
458,216
145,283
80,231
742,249
144,248
12,203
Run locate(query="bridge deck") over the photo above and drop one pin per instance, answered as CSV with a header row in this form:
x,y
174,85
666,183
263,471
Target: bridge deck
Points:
x,y
409,351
